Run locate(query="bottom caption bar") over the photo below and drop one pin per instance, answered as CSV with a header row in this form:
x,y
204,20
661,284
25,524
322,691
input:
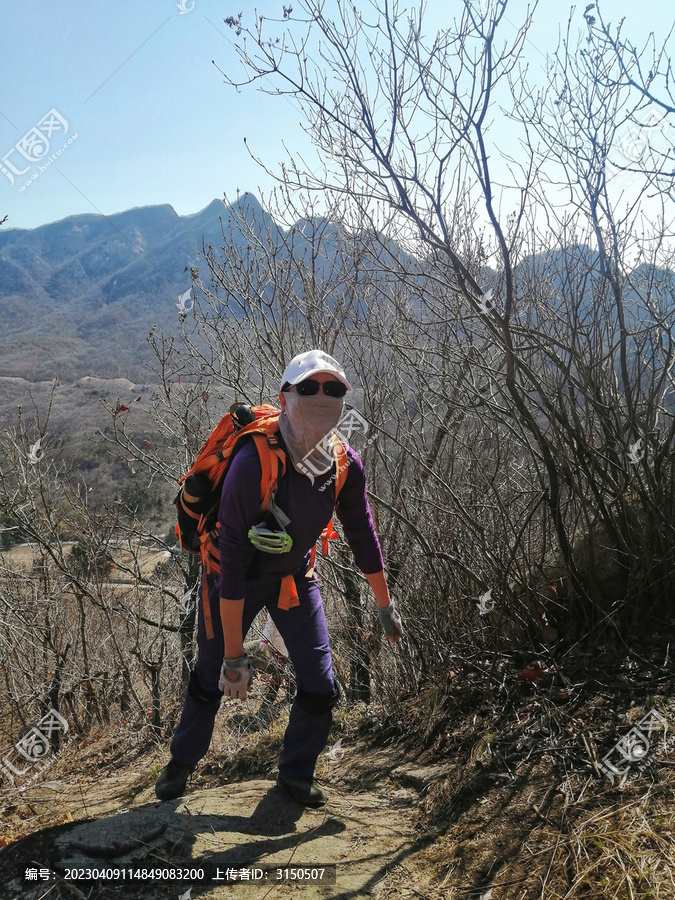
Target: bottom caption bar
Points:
x,y
142,873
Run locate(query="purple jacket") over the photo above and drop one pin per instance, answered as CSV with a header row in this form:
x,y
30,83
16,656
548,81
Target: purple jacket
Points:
x,y
309,510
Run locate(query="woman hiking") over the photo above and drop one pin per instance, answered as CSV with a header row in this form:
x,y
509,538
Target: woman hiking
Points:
x,y
312,390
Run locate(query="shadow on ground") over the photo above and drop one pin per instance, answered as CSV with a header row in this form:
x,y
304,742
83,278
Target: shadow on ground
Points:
x,y
245,825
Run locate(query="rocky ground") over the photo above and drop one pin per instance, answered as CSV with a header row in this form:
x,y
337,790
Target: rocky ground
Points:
x,y
508,803
367,835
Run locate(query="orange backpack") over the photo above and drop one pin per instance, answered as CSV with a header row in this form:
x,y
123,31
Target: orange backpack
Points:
x,y
198,500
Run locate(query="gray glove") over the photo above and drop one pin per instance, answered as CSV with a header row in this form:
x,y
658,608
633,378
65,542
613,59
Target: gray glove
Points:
x,y
236,688
390,620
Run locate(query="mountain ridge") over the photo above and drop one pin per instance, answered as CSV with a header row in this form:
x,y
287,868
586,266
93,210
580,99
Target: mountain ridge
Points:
x,y
79,296
64,283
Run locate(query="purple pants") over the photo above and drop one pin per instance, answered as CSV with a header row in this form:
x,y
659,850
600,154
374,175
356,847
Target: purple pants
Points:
x,y
305,634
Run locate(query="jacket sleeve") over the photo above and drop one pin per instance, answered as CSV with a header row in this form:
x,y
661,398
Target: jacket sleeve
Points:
x,y
239,510
353,512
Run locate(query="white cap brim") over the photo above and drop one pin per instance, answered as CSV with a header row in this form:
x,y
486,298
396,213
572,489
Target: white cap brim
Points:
x,y
322,365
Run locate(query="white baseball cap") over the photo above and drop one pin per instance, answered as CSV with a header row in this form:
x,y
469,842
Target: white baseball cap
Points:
x,y
304,365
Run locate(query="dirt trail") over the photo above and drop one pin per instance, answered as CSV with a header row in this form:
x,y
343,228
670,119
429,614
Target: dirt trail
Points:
x,y
367,834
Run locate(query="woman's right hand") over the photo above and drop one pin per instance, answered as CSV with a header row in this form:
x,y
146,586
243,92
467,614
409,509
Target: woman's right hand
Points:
x,y
236,676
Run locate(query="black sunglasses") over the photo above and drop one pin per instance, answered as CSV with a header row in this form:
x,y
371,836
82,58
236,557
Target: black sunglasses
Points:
x,y
309,387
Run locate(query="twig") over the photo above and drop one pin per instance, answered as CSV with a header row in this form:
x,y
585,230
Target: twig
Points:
x,y
539,809
590,749
301,841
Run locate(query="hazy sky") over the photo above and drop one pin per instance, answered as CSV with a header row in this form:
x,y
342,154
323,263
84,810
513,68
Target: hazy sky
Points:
x,y
147,115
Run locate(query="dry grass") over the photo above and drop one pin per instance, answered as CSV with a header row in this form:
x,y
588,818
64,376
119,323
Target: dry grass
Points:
x,y
537,832
524,811
595,847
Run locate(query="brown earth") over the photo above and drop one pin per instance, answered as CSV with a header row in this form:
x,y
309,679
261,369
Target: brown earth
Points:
x,y
23,556
507,804
367,834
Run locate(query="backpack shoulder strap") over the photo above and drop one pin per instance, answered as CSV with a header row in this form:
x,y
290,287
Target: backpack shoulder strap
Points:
x,y
272,458
272,464
341,468
341,464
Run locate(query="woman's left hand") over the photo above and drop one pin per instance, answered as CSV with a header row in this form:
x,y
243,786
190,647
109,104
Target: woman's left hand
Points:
x,y
391,622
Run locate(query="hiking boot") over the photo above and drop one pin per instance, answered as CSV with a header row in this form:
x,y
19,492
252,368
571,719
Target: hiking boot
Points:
x,y
172,780
307,791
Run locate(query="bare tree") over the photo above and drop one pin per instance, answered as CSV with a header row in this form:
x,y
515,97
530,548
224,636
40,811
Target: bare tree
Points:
x,y
86,611
560,351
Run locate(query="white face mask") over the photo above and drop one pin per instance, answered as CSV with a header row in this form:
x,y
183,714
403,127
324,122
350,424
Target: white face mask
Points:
x,y
306,427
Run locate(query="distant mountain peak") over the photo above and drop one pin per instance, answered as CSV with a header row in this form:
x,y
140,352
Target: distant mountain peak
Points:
x,y
100,282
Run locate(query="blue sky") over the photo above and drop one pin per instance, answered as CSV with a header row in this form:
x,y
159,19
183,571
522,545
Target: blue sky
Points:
x,y
149,117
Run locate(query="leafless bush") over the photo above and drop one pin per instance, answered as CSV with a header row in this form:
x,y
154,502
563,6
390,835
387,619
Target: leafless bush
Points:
x,y
515,352
88,617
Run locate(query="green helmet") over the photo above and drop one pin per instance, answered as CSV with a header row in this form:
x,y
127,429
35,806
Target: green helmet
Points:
x,y
270,541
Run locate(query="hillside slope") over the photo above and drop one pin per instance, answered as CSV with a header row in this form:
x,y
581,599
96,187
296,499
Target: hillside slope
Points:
x,y
78,297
